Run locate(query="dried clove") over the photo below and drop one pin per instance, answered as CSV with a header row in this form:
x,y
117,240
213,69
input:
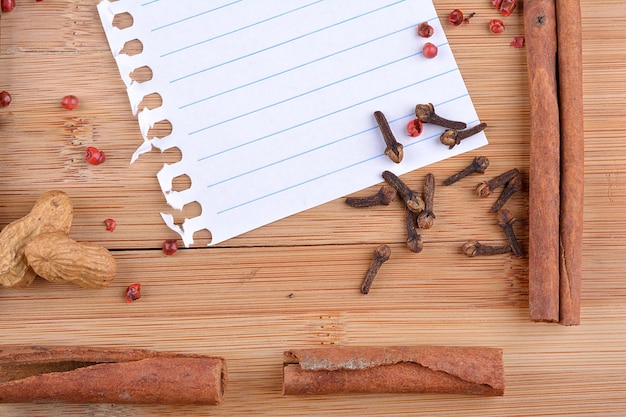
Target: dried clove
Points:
x,y
485,188
381,255
506,220
475,248
394,149
478,165
385,195
512,186
411,199
426,114
413,240
427,217
453,137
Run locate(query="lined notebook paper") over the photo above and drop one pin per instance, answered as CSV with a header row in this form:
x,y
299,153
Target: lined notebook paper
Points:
x,y
271,102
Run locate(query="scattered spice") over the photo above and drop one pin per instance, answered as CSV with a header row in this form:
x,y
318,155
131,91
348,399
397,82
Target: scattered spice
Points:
x,y
475,248
425,30
455,17
110,224
414,128
381,255
5,99
69,102
430,50
413,238
518,42
411,199
505,221
478,165
425,113
94,156
453,137
394,149
7,5
133,292
496,26
170,247
427,217
507,6
485,188
512,186
385,195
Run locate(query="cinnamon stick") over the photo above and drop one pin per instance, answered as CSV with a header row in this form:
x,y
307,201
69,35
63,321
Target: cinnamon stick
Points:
x,y
96,375
544,172
569,24
399,369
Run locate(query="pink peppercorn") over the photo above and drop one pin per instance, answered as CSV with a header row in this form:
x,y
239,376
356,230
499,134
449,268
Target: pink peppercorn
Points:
x,y
69,102
5,99
496,26
430,50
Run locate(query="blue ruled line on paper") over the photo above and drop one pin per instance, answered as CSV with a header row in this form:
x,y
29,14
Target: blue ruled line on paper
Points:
x,y
327,115
412,27
304,94
238,29
194,16
284,42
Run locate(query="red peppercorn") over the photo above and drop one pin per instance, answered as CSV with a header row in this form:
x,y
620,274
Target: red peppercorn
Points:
x,y
110,224
430,50
69,102
496,26
456,17
170,247
496,3
5,99
518,42
7,5
414,128
133,292
425,30
507,7
94,156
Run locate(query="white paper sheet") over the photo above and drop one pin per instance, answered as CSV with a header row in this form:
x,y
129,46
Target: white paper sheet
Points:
x,y
271,102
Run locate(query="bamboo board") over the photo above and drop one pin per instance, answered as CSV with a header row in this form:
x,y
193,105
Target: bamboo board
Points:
x,y
295,283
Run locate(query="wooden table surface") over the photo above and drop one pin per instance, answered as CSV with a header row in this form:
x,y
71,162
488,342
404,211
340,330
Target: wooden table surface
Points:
x,y
295,283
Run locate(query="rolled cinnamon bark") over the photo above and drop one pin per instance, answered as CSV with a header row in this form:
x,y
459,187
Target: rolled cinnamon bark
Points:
x,y
569,23
399,369
95,375
544,171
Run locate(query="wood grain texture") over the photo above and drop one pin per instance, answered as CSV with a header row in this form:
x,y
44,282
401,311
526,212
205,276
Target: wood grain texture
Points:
x,y
295,283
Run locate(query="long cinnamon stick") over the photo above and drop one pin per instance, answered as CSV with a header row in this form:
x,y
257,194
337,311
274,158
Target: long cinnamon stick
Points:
x,y
399,369
569,22
95,375
544,172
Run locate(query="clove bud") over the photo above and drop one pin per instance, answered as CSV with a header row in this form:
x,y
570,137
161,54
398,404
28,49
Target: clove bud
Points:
x,y
485,188
425,113
479,165
411,199
475,248
427,217
385,195
453,137
381,255
394,149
